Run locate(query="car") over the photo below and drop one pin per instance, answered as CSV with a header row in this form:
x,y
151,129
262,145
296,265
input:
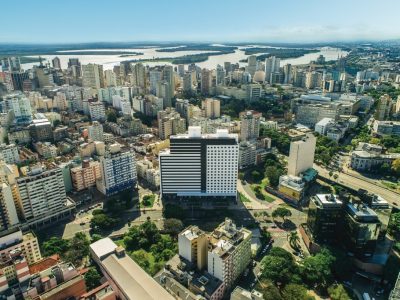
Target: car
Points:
x,y
273,226
82,223
394,203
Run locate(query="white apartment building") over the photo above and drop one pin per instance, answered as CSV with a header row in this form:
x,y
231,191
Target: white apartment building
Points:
x,y
249,125
9,153
21,107
301,155
118,171
92,76
95,132
322,126
200,165
97,111
211,108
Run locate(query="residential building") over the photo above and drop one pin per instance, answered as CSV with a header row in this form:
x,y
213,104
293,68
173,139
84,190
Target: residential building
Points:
x,y
292,186
301,155
272,65
93,76
128,280
97,111
41,129
118,169
168,76
240,293
247,154
170,123
9,153
200,165
85,175
367,157
155,77
229,252
206,82
8,211
95,132
211,108
193,246
384,108
249,125
383,128
20,106
163,91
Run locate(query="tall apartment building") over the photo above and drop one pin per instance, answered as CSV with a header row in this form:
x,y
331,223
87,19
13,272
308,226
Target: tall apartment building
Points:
x,y
272,65
95,132
229,252
170,122
118,169
93,76
206,81
250,125
20,106
8,211
86,175
164,91
252,64
168,76
42,195
193,246
97,111
254,92
313,80
155,77
9,153
41,129
301,155
110,78
384,108
200,165
139,75
211,108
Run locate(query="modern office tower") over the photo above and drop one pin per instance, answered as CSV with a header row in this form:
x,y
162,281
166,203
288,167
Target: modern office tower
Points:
x,y
211,108
139,75
170,122
163,91
155,77
272,65
206,81
287,73
11,64
41,129
229,252
200,166
8,211
181,70
313,80
301,155
227,67
193,246
118,169
251,64
73,62
56,63
93,76
220,76
249,125
384,109
187,82
324,215
85,175
128,279
110,78
97,111
360,231
95,132
254,92
20,106
168,76
42,195
9,153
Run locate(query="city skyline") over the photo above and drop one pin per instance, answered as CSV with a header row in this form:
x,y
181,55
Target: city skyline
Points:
x,y
262,21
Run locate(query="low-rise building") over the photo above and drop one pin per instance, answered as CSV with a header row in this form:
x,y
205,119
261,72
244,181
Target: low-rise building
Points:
x,y
85,175
292,186
386,128
367,157
9,153
240,293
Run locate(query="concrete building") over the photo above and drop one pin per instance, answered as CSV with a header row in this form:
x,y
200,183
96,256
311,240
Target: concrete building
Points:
x,y
211,108
40,129
272,65
8,211
383,128
170,123
97,111
384,108
367,157
229,252
93,76
249,125
193,246
254,92
118,169
86,175
200,165
95,132
301,155
242,294
322,126
20,106
247,154
127,279
292,186
206,82
9,153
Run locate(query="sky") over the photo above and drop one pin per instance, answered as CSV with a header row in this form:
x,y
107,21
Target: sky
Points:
x,y
69,21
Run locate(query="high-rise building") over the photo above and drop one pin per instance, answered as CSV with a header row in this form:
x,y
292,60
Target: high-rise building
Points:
x,y
272,65
313,80
193,246
9,153
20,106
252,64
11,64
56,63
254,92
301,155
287,73
170,122
92,76
211,108
139,75
206,81
229,252
95,132
163,91
200,165
181,70
8,211
187,82
250,125
384,109
220,76
110,78
118,169
168,76
86,175
97,111
155,77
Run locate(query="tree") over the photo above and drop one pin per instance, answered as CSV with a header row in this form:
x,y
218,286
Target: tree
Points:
x,y
385,168
273,175
295,292
394,224
294,239
56,123
269,290
335,176
338,292
92,278
103,222
281,212
173,226
256,176
55,245
279,266
111,116
78,248
396,166
317,269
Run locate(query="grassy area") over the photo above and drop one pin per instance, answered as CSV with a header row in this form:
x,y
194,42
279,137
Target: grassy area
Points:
x,y
391,185
243,198
260,192
148,200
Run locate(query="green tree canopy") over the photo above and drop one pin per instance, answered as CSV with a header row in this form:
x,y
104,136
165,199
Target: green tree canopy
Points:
x,y
92,279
